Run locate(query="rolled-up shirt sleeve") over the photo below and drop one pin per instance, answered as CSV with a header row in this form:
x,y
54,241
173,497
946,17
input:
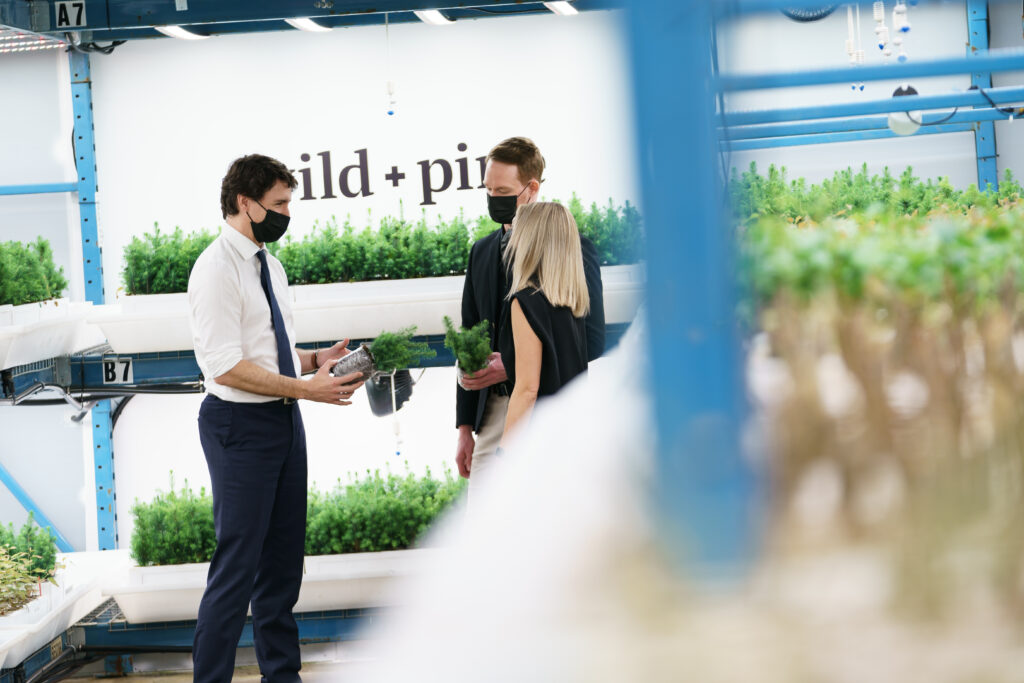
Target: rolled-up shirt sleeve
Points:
x,y
215,303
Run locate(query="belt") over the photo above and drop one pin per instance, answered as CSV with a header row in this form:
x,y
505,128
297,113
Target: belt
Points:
x,y
287,400
503,389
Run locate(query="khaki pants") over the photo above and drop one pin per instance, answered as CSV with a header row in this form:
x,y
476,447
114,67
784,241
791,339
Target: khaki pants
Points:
x,y
487,441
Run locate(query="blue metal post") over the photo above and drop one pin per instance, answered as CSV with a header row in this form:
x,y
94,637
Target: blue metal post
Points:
x,y
92,261
706,492
103,457
985,134
26,502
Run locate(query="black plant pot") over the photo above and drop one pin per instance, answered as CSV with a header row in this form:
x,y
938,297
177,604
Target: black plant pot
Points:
x,y
378,392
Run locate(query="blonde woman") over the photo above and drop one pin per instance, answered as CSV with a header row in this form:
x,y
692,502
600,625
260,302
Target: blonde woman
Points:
x,y
543,340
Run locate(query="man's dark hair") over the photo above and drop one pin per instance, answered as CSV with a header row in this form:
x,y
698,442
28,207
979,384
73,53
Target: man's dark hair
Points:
x,y
251,176
521,153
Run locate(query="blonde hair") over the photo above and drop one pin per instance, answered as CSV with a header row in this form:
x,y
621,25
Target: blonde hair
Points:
x,y
544,252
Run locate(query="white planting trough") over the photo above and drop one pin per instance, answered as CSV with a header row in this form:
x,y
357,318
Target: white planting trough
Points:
x,y
330,582
38,331
356,310
57,608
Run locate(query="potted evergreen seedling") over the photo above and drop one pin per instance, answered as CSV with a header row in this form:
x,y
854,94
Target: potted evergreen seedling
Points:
x,y
383,360
389,352
471,347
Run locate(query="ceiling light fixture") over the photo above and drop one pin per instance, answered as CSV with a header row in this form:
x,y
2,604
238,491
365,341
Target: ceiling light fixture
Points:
x,y
432,17
307,24
29,48
562,8
179,32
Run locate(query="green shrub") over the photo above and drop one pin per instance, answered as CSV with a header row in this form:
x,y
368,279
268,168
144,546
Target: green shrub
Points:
x,y
175,528
471,347
376,513
28,273
159,262
396,350
617,232
37,546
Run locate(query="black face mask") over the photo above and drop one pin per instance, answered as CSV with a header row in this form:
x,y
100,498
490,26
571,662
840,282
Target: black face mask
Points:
x,y
271,228
503,209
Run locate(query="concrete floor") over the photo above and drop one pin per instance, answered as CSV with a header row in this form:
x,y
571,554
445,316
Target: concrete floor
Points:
x,y
315,672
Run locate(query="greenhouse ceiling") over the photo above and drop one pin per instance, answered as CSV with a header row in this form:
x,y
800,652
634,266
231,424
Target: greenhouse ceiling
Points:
x,y
92,21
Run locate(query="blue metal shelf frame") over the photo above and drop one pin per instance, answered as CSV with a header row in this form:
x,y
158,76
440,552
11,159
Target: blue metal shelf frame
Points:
x,y
706,491
1003,95
106,632
44,188
82,374
842,136
985,133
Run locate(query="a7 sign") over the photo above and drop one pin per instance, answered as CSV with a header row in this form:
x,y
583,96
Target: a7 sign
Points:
x,y
70,14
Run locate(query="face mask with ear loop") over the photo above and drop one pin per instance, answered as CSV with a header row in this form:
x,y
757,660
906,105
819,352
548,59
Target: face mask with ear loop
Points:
x,y
503,209
271,228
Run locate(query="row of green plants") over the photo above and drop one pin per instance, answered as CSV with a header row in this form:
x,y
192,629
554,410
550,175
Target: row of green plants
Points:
x,y
28,273
849,192
374,512
964,260
160,262
915,290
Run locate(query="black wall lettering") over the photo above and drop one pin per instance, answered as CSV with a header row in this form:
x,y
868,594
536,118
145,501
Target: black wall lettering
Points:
x,y
463,163
364,177
328,175
428,188
483,170
307,183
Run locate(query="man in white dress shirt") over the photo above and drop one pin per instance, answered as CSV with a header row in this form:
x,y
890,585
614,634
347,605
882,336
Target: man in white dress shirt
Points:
x,y
251,428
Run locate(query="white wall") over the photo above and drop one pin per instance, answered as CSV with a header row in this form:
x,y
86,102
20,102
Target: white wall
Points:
x,y
169,120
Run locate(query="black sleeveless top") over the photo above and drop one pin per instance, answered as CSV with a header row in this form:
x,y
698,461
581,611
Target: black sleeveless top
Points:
x,y
562,336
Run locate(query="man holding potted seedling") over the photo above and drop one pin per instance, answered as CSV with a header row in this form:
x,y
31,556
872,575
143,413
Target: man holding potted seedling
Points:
x,y
512,176
251,428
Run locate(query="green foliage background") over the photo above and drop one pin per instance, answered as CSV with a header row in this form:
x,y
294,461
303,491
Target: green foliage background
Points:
x,y
375,512
158,262
28,273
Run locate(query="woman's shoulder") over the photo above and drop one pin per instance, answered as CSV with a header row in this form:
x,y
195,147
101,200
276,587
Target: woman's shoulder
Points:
x,y
531,297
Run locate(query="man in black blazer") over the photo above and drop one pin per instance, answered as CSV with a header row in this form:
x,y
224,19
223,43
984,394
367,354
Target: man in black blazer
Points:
x,y
514,172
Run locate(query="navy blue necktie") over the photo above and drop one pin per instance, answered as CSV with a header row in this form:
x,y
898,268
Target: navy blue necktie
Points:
x,y
285,364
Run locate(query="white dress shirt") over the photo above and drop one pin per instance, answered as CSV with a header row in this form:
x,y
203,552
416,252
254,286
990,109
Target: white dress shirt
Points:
x,y
229,313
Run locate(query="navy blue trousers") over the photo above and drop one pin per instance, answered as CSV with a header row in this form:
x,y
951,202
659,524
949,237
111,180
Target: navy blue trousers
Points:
x,y
257,459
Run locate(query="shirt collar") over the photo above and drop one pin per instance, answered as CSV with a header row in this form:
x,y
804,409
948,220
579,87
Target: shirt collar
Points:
x,y
245,247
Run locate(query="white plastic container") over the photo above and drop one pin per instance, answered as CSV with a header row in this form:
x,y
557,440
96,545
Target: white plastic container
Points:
x,y
355,580
354,310
58,608
42,330
145,323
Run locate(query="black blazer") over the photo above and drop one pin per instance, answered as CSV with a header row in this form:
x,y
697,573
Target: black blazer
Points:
x,y
481,300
